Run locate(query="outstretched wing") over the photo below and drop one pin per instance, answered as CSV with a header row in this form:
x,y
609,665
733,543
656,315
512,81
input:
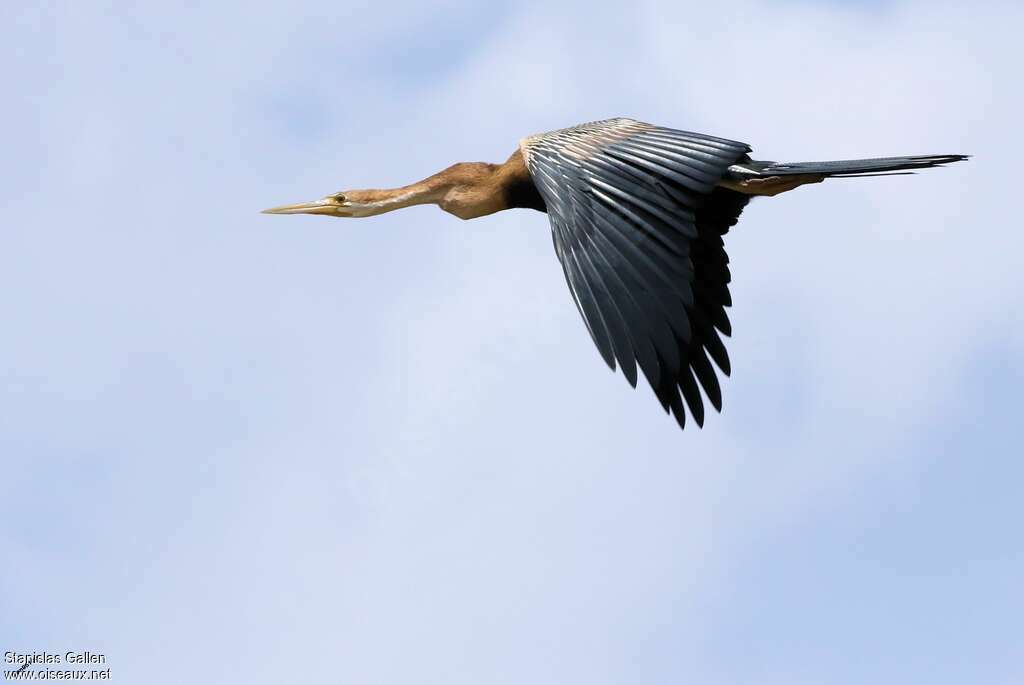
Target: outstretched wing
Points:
x,y
637,222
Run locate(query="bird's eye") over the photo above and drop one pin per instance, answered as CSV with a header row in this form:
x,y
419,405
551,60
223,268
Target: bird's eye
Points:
x,y
340,197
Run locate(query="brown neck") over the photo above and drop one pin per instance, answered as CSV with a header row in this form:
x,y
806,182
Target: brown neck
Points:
x,y
468,190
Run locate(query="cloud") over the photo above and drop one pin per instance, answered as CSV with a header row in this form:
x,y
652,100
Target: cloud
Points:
x,y
385,451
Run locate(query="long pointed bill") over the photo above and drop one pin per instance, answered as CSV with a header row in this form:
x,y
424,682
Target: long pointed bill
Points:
x,y
327,205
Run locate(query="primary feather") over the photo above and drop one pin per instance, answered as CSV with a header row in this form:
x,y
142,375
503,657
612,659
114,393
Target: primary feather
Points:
x,y
637,222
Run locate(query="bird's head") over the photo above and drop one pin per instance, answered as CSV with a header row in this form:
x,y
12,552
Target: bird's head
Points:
x,y
350,203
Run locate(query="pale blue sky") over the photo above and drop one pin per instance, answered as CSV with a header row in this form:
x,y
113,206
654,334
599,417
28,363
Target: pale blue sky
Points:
x,y
239,448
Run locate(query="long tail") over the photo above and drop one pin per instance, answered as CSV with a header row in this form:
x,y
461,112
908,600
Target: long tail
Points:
x,y
852,167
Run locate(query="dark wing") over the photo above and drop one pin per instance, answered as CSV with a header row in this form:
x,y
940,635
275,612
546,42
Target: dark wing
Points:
x,y
637,223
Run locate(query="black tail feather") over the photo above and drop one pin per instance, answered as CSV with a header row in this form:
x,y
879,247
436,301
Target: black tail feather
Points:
x,y
857,167
883,173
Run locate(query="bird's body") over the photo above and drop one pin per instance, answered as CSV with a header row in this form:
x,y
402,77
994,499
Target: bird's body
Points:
x,y
637,214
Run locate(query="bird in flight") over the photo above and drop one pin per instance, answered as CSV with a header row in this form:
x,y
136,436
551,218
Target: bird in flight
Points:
x,y
637,216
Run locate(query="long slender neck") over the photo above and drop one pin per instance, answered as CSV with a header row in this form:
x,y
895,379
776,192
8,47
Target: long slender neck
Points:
x,y
431,190
379,201
467,190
